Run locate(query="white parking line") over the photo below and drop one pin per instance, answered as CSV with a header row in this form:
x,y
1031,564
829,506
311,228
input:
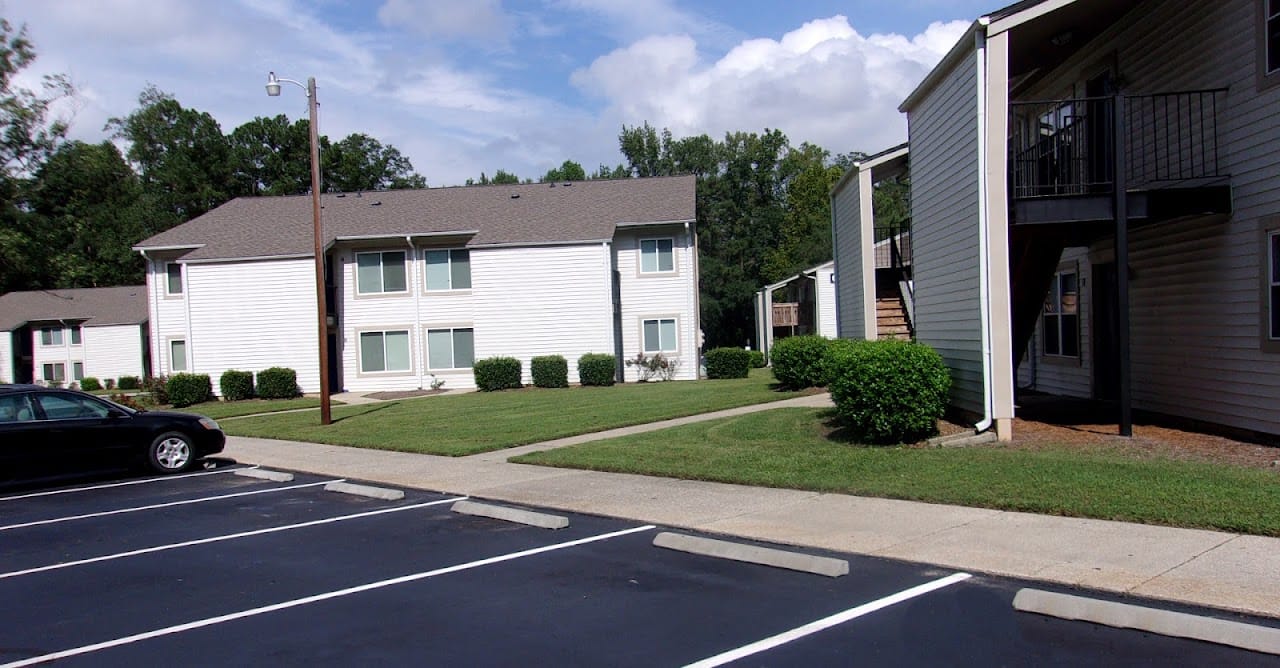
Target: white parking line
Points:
x,y
211,621
124,484
827,622
216,539
56,520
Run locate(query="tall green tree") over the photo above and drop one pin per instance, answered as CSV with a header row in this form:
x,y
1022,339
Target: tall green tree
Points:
x,y
181,155
567,171
91,210
272,156
27,137
504,177
361,163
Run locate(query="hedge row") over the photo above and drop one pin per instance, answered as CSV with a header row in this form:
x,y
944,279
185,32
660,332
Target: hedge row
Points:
x,y
500,373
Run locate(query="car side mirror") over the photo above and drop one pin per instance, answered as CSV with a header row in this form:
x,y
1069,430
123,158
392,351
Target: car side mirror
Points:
x,y
116,413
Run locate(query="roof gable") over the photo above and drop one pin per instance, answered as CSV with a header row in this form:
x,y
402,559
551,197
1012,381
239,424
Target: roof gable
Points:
x,y
125,305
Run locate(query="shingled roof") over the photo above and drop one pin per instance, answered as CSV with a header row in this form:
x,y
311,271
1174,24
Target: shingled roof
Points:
x,y
533,214
125,305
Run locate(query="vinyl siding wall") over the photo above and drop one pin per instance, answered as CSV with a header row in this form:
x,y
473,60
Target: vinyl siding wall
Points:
x,y
1197,303
1065,376
6,357
658,296
826,302
943,134
846,211
113,351
250,316
65,354
167,316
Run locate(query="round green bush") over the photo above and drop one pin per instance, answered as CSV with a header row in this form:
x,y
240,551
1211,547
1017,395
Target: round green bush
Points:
x,y
888,391
728,363
597,369
128,383
186,389
797,361
550,371
236,385
278,383
757,359
497,373
90,384
156,386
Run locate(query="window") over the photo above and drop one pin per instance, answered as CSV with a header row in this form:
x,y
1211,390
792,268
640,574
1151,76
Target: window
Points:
x,y
173,271
1273,284
70,406
75,335
380,273
16,408
451,348
1061,316
656,255
384,351
660,336
55,372
1271,36
177,355
50,336
77,370
449,269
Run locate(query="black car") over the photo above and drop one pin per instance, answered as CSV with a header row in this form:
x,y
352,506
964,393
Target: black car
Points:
x,y
49,431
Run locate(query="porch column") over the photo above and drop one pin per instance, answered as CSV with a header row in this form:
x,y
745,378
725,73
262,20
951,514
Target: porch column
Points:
x,y
867,249
1122,265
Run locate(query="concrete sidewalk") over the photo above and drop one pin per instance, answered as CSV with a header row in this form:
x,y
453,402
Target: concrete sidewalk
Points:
x,y
1215,569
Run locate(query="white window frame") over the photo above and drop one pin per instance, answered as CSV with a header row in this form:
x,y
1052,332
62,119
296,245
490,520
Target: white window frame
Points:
x,y
168,280
360,359
426,266
453,347
59,370
54,337
657,255
1058,315
77,370
675,328
382,273
186,357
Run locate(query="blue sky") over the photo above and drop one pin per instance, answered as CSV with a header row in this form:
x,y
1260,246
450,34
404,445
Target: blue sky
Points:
x,y
462,87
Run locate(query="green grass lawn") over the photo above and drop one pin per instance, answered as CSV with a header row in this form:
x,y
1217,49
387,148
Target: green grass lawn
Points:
x,y
464,424
220,410
792,448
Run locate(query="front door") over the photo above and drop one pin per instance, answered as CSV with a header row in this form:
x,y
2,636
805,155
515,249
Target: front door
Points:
x,y
1106,351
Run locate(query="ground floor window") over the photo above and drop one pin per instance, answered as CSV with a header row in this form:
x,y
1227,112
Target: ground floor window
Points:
x,y
1273,284
660,335
385,351
1061,316
453,348
77,370
55,372
177,355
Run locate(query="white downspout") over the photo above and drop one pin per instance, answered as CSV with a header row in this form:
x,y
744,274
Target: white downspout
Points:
x,y
984,272
419,349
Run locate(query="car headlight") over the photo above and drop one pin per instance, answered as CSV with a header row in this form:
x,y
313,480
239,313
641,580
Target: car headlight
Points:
x,y
209,423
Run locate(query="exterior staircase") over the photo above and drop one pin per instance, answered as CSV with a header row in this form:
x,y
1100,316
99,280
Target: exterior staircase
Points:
x,y
891,319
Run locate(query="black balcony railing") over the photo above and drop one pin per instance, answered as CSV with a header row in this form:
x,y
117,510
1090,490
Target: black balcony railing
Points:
x,y
893,246
1067,147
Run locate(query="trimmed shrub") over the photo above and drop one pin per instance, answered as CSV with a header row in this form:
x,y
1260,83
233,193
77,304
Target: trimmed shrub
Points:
x,y
90,384
728,362
110,383
550,371
757,359
236,385
278,383
497,373
128,383
157,387
597,369
888,391
797,361
186,389
837,349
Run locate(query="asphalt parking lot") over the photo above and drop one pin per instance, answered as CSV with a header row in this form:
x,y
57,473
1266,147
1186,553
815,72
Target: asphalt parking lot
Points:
x,y
216,568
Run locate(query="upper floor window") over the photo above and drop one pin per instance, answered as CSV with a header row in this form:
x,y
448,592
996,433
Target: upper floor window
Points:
x,y
1061,316
75,335
660,336
1273,284
657,255
380,272
173,274
1271,35
449,269
50,336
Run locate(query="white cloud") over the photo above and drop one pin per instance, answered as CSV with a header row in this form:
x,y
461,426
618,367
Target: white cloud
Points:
x,y
822,82
448,19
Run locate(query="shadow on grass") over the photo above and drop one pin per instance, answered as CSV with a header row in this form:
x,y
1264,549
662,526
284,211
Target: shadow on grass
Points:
x,y
845,434
372,409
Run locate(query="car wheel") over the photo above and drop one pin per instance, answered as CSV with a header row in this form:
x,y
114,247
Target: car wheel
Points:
x,y
170,452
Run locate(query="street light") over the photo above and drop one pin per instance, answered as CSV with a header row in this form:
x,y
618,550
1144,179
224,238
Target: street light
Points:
x,y
273,89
